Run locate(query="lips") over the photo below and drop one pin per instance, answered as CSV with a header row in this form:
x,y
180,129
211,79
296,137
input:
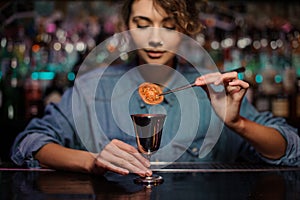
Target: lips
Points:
x,y
154,54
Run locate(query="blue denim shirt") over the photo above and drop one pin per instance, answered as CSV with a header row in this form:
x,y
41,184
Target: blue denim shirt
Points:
x,y
97,109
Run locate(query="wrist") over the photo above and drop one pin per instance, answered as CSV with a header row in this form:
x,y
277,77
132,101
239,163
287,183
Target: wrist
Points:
x,y
89,162
238,126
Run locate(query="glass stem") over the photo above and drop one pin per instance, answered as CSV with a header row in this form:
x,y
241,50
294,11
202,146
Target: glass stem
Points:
x,y
149,157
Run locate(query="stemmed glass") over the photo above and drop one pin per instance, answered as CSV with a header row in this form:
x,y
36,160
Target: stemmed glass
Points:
x,y
148,130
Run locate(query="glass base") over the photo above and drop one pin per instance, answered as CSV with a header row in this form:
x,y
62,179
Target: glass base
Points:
x,y
149,181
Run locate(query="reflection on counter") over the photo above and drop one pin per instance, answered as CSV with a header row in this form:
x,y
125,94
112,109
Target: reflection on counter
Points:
x,y
273,185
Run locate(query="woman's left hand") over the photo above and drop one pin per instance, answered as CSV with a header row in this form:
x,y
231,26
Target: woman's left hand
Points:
x,y
226,103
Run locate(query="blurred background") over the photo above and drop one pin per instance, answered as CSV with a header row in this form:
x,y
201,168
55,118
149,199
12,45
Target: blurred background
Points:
x,y
42,44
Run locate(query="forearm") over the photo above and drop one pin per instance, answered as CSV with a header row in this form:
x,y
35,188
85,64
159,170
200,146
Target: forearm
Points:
x,y
266,140
58,157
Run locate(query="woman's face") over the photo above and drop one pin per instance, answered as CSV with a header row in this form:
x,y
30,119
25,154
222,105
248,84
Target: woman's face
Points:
x,y
154,33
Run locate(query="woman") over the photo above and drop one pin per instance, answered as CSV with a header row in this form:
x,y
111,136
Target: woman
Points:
x,y
53,140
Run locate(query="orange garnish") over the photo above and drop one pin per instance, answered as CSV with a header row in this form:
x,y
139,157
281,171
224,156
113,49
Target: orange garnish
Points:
x,y
150,93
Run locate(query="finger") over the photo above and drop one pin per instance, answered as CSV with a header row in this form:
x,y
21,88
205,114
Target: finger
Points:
x,y
233,89
122,165
236,86
125,157
216,78
226,77
240,83
102,163
207,79
130,149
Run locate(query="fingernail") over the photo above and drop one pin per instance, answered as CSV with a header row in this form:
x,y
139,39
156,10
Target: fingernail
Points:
x,y
148,173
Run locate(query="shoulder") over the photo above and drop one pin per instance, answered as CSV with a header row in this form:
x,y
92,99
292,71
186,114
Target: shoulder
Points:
x,y
105,73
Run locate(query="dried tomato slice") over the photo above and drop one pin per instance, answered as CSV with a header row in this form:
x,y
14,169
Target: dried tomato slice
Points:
x,y
149,92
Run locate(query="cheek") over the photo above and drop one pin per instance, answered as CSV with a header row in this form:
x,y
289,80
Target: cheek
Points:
x,y
169,56
139,40
142,53
172,43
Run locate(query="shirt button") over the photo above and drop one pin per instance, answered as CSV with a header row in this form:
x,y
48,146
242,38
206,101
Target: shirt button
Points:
x,y
195,149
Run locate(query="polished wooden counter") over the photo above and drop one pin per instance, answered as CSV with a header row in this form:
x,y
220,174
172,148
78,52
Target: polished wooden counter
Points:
x,y
181,181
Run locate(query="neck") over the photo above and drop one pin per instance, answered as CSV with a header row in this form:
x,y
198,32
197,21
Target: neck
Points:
x,y
156,73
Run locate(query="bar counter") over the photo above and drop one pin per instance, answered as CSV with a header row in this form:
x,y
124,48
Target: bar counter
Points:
x,y
181,181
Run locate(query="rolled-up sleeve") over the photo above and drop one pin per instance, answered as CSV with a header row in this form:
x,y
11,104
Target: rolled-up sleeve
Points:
x,y
292,154
28,146
55,127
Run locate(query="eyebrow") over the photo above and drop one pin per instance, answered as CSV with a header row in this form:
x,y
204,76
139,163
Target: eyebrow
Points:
x,y
135,19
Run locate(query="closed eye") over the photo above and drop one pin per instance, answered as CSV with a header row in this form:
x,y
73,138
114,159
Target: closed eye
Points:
x,y
143,26
141,22
169,23
170,28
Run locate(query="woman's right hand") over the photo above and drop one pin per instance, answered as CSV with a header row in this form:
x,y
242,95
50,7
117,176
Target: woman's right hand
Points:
x,y
121,158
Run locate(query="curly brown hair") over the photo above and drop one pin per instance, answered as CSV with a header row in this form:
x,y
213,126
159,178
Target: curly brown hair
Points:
x,y
185,13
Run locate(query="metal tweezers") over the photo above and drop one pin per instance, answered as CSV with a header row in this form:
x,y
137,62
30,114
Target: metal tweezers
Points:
x,y
238,70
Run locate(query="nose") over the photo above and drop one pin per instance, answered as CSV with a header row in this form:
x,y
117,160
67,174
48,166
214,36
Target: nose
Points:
x,y
155,44
155,39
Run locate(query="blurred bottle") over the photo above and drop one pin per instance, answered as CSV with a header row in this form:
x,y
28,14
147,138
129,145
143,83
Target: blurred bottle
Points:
x,y
295,43
252,68
271,83
12,97
263,78
40,49
1,92
298,99
293,74
280,105
33,99
22,48
2,56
